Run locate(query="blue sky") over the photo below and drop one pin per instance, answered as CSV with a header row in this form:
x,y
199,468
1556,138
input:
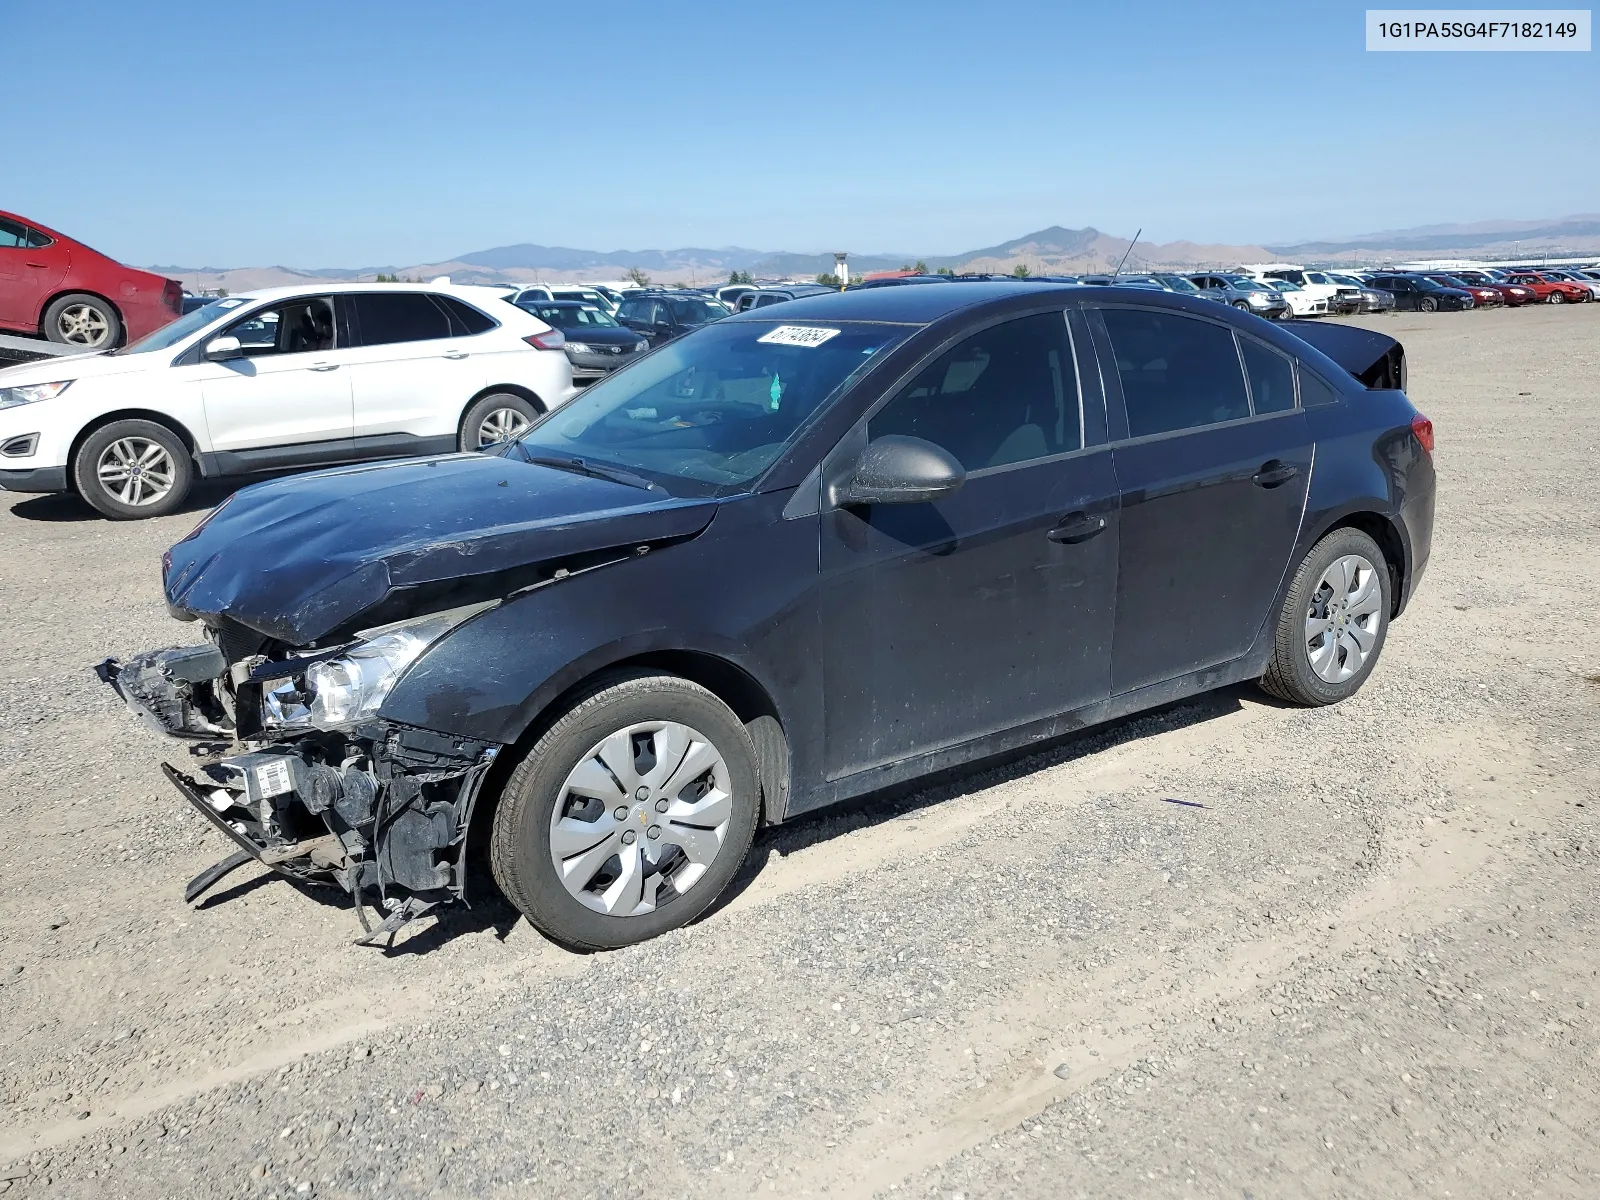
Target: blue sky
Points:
x,y
354,134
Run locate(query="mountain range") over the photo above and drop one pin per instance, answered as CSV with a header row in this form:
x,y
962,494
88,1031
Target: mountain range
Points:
x,y
1056,250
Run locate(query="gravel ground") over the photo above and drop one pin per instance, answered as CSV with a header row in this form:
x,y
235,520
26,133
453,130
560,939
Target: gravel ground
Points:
x,y
1231,949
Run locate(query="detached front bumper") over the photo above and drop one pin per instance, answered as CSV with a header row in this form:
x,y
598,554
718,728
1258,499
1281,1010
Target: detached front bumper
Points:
x,y
381,810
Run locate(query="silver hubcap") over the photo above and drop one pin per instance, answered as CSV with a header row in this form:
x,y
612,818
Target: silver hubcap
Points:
x,y
136,471
501,425
641,818
83,325
1344,618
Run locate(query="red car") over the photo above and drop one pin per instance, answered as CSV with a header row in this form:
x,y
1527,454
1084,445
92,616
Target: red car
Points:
x,y
1515,293
1483,295
57,288
1551,291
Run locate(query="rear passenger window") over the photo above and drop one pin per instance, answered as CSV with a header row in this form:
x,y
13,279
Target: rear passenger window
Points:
x,y
12,235
465,321
1177,372
386,318
1006,395
1271,377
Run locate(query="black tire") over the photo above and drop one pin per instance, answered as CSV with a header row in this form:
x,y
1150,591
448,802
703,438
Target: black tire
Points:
x,y
519,843
491,410
1290,675
79,319
1427,304
1241,305
1556,298
126,443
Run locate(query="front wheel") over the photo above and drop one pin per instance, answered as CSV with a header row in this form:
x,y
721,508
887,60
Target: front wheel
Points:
x,y
1557,298
1241,305
1333,622
495,420
630,815
1427,304
130,470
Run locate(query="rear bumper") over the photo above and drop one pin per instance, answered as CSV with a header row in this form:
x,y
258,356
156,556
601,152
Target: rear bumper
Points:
x,y
38,479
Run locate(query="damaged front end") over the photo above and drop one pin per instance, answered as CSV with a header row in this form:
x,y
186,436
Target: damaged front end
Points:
x,y
294,765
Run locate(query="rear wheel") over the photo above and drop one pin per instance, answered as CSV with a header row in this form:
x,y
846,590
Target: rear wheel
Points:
x,y
83,320
130,470
1333,622
495,420
630,815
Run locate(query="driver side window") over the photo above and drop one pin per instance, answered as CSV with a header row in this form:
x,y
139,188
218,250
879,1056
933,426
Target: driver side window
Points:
x,y
296,327
1006,395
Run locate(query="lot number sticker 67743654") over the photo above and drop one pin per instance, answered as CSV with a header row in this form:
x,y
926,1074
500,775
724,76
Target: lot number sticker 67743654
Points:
x,y
798,335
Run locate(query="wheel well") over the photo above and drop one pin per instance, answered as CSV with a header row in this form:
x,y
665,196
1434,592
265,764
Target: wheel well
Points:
x,y
514,389
728,683
128,414
1381,530
54,296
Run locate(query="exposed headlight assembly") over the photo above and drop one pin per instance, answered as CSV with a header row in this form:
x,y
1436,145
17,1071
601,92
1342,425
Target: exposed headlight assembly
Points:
x,y
31,393
334,693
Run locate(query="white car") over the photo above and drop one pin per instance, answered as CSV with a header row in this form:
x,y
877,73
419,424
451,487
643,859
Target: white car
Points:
x,y
284,377
1301,302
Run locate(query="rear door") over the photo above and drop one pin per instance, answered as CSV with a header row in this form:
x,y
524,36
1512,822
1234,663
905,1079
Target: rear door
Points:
x,y
1213,457
32,265
993,607
291,388
414,372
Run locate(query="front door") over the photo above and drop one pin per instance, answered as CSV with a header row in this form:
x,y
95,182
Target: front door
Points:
x,y
993,607
1213,471
291,387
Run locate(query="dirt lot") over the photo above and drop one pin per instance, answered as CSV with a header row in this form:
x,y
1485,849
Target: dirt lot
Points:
x,y
1230,950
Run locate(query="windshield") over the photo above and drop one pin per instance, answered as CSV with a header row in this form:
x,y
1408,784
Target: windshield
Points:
x,y
697,312
1284,285
171,334
712,410
1177,283
1429,285
564,316
1249,285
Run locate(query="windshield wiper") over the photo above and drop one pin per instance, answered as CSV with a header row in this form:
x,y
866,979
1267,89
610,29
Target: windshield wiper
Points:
x,y
615,474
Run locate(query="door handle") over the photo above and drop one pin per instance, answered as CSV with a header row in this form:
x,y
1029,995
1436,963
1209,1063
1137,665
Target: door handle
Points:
x,y
454,354
41,266
1076,527
324,366
1274,473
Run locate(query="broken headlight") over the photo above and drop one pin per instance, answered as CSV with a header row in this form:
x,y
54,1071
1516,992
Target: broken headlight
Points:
x,y
332,693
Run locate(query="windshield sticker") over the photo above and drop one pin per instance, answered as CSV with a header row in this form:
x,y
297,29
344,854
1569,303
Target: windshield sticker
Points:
x,y
231,302
775,393
798,335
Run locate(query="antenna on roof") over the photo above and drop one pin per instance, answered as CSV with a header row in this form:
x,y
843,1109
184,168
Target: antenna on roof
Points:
x,y
1127,252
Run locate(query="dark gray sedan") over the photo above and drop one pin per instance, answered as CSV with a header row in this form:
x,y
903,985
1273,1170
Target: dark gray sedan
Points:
x,y
596,344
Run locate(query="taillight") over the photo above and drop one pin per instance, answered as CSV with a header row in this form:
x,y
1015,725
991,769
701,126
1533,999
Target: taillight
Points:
x,y
1423,428
172,295
552,340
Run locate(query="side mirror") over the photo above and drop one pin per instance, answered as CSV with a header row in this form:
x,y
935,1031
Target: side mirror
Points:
x,y
895,469
221,349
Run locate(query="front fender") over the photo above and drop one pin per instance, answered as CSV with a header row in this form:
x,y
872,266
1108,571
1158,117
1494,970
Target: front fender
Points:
x,y
741,592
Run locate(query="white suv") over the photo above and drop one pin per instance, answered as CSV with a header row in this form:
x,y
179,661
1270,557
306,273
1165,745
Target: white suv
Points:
x,y
286,377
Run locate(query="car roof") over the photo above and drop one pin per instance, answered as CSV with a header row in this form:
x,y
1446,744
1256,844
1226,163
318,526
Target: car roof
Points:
x,y
561,304
896,305
469,292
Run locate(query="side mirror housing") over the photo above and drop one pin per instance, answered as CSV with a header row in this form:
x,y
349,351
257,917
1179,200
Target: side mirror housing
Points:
x,y
896,469
220,349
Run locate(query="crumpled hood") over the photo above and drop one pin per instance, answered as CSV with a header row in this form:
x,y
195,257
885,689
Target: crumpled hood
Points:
x,y
297,558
